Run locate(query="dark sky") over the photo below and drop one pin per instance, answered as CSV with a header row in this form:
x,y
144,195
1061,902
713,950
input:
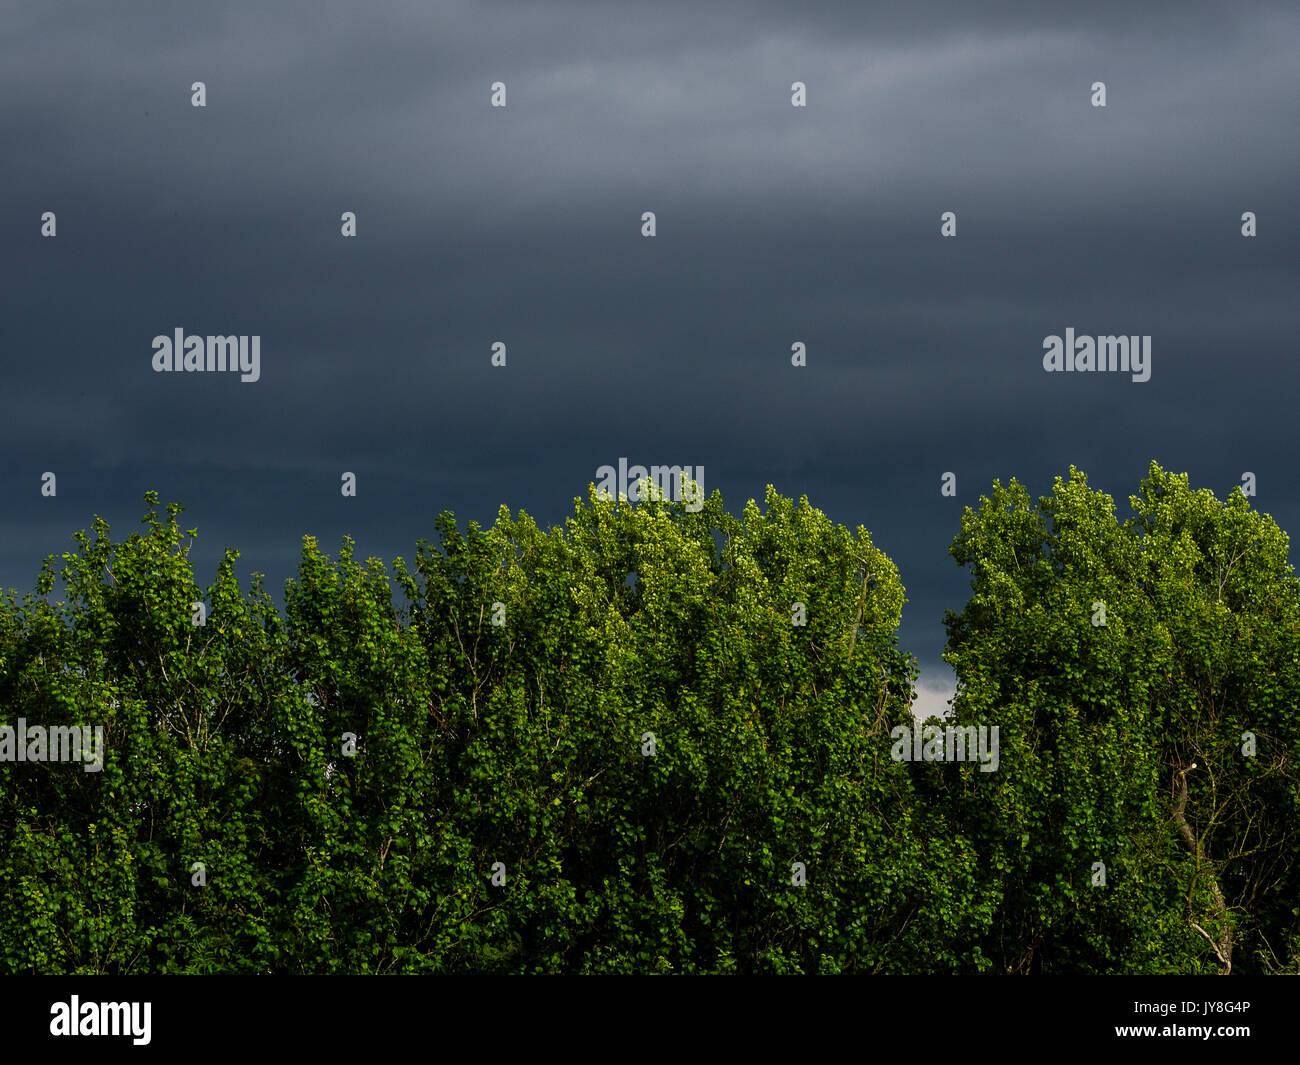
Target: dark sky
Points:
x,y
775,224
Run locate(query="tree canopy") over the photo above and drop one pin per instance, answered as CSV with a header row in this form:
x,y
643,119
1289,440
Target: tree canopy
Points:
x,y
657,740
1146,678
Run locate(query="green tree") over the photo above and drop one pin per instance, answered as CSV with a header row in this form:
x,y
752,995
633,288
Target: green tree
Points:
x,y
503,709
1114,657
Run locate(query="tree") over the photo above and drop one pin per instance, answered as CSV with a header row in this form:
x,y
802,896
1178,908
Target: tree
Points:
x,y
1145,677
653,740
658,740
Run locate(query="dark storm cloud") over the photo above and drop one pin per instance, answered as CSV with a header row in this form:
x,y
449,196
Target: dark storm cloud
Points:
x,y
776,224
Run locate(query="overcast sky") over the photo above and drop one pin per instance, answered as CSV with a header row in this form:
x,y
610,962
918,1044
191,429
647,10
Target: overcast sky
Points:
x,y
775,224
